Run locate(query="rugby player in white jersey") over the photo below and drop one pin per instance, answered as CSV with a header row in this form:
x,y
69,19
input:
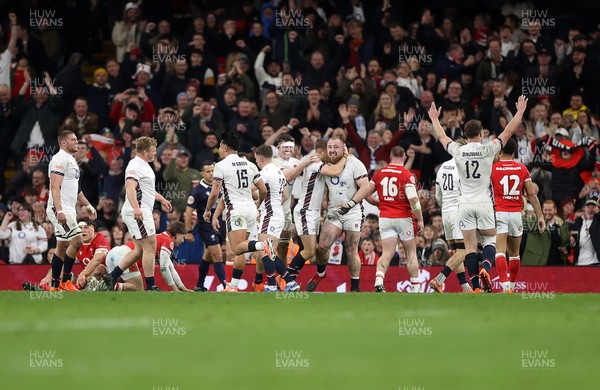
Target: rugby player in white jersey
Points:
x,y
272,217
236,176
447,184
344,214
140,195
64,194
307,213
475,203
287,163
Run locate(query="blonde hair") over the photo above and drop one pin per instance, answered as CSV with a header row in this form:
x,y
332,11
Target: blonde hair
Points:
x,y
388,113
143,144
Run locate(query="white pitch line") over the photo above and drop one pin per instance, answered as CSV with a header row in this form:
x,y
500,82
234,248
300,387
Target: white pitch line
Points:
x,y
74,324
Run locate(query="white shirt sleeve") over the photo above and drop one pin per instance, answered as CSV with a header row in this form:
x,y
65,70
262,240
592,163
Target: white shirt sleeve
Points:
x,y
453,148
164,261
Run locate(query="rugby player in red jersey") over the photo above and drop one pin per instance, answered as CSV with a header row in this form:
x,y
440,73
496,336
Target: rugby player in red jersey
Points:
x,y
400,216
509,178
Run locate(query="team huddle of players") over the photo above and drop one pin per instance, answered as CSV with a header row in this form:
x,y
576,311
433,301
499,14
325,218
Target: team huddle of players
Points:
x,y
481,204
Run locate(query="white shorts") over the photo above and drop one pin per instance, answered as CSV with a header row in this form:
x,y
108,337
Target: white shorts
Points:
x,y
510,223
270,224
403,228
64,231
139,229
351,222
476,216
114,257
308,221
451,225
242,219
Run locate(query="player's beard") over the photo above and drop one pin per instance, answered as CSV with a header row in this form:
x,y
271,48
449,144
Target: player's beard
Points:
x,y
334,158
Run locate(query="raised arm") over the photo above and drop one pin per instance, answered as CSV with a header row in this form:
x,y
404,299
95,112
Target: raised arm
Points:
x,y
515,121
440,134
12,43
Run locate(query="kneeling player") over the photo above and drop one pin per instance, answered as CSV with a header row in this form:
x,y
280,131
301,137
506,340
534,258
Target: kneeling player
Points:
x,y
508,179
91,254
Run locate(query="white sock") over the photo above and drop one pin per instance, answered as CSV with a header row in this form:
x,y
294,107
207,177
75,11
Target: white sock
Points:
x,y
440,278
512,285
466,287
259,245
505,286
379,278
234,283
416,287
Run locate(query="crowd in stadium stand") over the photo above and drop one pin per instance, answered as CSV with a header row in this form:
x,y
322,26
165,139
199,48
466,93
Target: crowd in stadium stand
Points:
x,y
185,74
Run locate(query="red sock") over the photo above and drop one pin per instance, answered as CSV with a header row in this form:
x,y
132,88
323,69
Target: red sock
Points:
x,y
502,267
514,264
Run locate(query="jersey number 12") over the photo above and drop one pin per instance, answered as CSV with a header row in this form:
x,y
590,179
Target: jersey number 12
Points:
x,y
475,166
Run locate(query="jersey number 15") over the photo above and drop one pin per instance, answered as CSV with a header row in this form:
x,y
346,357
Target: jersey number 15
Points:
x,y
242,177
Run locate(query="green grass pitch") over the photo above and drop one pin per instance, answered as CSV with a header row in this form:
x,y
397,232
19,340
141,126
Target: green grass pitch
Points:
x,y
299,341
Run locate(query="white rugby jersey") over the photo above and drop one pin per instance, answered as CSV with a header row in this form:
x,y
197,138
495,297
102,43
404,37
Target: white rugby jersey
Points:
x,y
287,164
237,176
275,182
474,165
65,165
145,190
343,188
312,187
447,184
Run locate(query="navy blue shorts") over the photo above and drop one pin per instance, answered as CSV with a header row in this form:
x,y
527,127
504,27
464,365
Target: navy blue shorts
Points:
x,y
208,235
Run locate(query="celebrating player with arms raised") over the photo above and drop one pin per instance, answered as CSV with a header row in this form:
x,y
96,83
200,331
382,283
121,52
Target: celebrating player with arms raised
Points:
x,y
476,208
509,178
